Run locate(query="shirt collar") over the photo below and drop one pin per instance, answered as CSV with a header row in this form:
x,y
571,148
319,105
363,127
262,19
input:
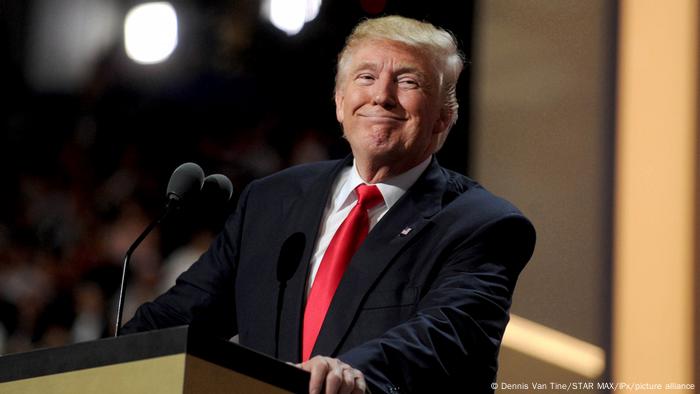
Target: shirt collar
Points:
x,y
392,189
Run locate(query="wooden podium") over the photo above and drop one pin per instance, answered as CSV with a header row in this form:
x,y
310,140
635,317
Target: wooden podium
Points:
x,y
174,360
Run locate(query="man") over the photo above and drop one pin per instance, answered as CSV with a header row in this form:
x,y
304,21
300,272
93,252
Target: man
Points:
x,y
421,303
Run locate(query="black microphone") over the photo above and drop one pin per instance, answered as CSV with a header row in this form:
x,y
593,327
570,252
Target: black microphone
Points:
x,y
185,182
217,189
289,259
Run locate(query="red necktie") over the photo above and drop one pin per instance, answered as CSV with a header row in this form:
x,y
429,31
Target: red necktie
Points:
x,y
344,244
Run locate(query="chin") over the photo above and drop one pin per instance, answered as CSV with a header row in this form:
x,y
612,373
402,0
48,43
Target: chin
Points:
x,y
379,147
382,155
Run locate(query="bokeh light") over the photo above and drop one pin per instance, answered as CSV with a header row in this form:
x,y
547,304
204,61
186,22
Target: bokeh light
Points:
x,y
150,32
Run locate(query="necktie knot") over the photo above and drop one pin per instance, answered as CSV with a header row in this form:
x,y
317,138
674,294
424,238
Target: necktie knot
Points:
x,y
368,196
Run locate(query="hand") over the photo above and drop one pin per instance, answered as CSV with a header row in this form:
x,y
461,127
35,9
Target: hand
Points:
x,y
337,376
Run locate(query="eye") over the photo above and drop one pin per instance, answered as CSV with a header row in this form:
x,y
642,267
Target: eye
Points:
x,y
408,83
364,78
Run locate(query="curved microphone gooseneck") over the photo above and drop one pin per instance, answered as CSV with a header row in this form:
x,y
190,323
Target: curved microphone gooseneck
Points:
x,y
185,182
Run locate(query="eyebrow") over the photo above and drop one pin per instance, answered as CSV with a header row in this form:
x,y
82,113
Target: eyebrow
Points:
x,y
365,66
401,69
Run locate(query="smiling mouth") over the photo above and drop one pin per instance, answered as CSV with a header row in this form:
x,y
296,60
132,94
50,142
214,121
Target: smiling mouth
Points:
x,y
383,117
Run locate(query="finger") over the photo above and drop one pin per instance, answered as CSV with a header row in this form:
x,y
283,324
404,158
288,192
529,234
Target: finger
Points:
x,y
306,366
348,380
360,384
334,379
319,370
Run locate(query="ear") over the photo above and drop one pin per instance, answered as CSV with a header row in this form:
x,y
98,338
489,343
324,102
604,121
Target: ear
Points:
x,y
443,121
339,99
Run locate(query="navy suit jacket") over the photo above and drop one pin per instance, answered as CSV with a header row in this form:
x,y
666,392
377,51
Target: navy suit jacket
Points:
x,y
421,308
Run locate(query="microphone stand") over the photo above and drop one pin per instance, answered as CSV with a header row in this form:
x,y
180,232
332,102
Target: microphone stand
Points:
x,y
169,207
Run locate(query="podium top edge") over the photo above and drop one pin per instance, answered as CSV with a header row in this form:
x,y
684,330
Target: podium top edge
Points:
x,y
158,343
93,354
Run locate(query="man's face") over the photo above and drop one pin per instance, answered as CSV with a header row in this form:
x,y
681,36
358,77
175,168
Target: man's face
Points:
x,y
388,103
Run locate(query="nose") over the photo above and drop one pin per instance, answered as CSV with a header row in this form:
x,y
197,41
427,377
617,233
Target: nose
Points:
x,y
384,92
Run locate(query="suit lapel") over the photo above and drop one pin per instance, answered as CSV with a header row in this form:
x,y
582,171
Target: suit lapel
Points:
x,y
399,226
304,212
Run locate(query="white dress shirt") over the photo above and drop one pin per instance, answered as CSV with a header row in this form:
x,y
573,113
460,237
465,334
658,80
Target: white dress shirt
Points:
x,y
343,198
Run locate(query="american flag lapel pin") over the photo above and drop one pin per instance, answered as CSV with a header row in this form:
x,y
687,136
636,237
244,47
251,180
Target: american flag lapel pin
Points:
x,y
405,231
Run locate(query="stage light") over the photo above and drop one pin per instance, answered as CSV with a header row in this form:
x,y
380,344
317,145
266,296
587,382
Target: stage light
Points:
x,y
150,32
291,15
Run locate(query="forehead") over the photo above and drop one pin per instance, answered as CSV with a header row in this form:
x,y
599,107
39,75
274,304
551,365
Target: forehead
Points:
x,y
384,52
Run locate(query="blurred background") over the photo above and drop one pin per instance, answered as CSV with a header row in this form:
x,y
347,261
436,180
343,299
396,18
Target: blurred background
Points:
x,y
102,99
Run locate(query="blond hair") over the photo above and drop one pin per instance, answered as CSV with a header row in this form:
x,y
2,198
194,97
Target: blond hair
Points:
x,y
439,45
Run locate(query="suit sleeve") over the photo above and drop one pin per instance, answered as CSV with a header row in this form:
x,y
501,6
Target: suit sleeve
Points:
x,y
451,342
203,296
